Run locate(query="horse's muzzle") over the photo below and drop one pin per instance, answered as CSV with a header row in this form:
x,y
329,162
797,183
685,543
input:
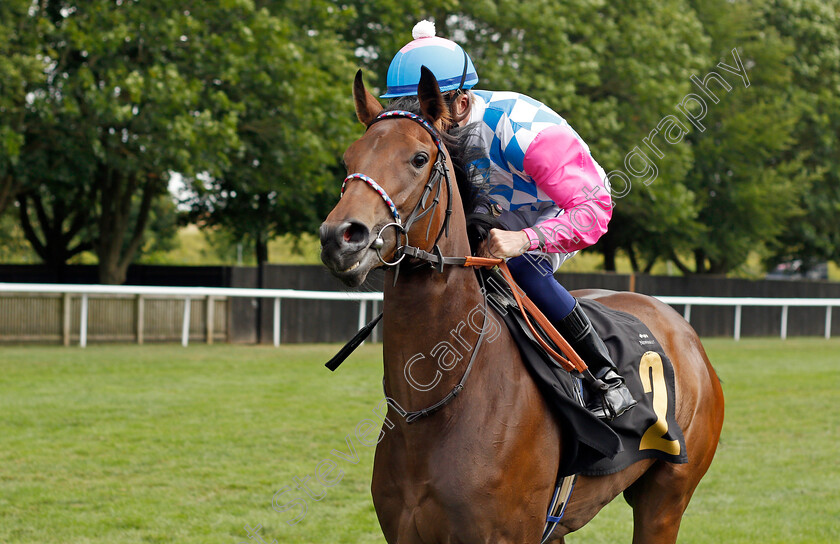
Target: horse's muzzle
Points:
x,y
345,250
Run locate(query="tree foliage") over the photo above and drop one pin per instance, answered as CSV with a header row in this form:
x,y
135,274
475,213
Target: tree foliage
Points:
x,y
813,29
294,119
120,106
743,176
20,69
101,102
229,94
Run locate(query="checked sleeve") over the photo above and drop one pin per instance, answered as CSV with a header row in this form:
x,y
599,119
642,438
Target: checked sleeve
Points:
x,y
562,167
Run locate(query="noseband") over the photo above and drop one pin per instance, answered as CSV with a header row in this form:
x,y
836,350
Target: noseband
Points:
x,y
439,172
438,260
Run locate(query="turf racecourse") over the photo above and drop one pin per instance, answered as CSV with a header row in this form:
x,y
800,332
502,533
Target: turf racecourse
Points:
x,y
118,444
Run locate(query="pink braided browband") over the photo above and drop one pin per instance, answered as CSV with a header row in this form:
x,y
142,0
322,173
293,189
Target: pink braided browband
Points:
x,y
376,188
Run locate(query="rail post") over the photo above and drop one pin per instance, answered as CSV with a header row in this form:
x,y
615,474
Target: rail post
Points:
x,y
362,314
374,337
83,322
276,322
784,322
185,328
209,317
66,320
737,322
141,318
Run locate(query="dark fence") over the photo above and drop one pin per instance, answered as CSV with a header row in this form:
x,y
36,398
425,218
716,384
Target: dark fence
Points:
x,y
720,320
179,276
300,320
251,320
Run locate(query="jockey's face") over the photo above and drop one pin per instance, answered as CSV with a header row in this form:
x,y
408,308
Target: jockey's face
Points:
x,y
460,106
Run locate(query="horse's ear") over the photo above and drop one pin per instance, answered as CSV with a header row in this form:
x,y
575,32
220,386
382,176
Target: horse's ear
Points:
x,y
367,106
432,104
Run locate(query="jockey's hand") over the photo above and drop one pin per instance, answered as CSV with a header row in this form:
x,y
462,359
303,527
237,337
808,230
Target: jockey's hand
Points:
x,y
504,244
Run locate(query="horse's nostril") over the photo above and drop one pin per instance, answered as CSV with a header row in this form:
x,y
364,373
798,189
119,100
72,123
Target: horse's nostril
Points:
x,y
354,233
348,233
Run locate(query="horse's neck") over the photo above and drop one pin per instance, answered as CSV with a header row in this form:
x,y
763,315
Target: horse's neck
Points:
x,y
423,310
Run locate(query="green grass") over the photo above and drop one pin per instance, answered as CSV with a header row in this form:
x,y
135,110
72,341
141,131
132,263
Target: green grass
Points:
x,y
774,477
118,444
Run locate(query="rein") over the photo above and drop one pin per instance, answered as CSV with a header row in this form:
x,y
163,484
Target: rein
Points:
x,y
411,417
571,362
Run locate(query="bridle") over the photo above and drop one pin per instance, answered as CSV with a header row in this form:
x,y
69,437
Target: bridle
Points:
x,y
438,260
439,172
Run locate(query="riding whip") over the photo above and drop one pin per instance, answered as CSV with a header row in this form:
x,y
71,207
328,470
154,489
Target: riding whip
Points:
x,y
351,346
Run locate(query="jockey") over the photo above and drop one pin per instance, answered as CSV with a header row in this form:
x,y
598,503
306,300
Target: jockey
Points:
x,y
545,185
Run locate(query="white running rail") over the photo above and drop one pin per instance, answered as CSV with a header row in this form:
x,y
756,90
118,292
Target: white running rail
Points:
x,y
279,294
740,302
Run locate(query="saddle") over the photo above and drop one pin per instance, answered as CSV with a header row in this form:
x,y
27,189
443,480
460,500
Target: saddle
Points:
x,y
592,446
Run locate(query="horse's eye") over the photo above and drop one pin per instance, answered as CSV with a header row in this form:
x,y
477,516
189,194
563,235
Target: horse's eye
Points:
x,y
420,160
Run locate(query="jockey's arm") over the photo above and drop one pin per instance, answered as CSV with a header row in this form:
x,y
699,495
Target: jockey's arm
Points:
x,y
564,170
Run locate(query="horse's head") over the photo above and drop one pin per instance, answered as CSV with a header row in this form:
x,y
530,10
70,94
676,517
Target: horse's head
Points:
x,y
390,168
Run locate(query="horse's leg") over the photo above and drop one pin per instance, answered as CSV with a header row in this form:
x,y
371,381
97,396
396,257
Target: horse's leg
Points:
x,y
659,500
660,496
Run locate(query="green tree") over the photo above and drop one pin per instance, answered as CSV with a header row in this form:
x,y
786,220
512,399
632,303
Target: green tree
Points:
x,y
56,194
745,173
295,118
813,26
643,71
20,69
251,106
122,105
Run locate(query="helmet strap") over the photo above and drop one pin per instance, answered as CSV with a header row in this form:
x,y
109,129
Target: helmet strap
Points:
x,y
451,96
464,73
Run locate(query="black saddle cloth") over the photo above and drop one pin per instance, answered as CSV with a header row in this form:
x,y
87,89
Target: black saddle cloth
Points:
x,y
592,446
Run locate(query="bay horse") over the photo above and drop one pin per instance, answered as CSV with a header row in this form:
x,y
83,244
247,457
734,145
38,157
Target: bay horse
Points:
x,y
482,468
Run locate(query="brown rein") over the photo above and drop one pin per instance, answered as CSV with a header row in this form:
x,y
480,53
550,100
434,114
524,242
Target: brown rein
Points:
x,y
572,362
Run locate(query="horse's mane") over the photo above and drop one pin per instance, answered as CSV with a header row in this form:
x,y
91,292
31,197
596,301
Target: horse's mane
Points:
x,y
471,179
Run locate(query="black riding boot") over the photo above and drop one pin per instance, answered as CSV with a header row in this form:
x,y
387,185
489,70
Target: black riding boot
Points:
x,y
611,396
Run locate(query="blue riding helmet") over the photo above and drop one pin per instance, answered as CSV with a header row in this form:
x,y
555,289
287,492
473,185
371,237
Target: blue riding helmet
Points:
x,y
451,65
